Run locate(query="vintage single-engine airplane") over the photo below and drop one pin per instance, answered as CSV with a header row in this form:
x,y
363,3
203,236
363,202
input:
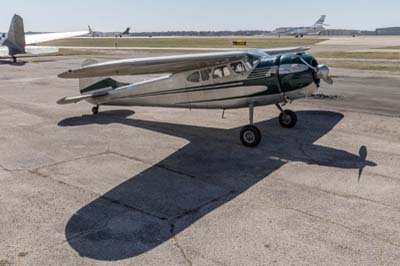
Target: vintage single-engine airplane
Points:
x,y
16,42
227,80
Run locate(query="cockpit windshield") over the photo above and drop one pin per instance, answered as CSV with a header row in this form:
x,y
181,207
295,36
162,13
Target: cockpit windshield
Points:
x,y
254,57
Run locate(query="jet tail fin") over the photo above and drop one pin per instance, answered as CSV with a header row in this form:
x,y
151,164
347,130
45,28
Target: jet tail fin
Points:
x,y
126,32
16,37
321,21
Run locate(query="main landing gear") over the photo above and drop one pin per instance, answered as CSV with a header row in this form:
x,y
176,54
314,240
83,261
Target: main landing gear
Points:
x,y
95,110
14,59
251,136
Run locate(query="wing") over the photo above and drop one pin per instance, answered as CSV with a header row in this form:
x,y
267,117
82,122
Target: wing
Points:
x,y
38,50
4,51
155,65
38,38
170,64
286,50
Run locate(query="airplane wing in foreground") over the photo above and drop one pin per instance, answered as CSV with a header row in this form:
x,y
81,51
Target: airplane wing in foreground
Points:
x,y
46,37
155,65
168,64
286,50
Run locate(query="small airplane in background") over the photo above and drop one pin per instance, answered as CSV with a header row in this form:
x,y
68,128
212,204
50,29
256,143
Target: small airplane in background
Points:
x,y
16,42
316,29
226,80
122,34
102,34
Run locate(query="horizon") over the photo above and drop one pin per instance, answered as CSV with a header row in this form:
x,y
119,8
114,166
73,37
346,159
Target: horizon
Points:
x,y
105,15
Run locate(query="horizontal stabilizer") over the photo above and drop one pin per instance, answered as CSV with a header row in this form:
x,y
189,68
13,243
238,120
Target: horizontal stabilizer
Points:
x,y
76,99
4,51
37,50
45,37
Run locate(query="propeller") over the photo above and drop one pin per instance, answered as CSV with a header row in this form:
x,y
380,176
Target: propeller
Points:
x,y
322,71
363,156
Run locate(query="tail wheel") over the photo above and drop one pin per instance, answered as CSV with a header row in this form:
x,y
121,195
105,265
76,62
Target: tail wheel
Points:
x,y
288,119
250,136
95,110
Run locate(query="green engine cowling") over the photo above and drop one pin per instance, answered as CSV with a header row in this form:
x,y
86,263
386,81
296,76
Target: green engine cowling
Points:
x,y
295,72
288,73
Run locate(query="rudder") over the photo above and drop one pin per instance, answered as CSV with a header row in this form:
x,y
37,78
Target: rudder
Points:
x,y
16,36
321,21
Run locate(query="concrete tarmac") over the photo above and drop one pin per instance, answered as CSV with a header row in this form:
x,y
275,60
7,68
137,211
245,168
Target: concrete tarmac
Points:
x,y
152,186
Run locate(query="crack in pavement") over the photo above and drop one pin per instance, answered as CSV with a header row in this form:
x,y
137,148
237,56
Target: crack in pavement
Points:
x,y
9,170
158,165
69,161
341,195
182,251
339,224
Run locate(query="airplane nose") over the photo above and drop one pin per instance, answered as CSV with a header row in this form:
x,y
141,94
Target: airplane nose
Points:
x,y
323,73
320,71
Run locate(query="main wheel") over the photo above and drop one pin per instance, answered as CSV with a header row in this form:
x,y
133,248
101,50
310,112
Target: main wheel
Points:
x,y
250,136
95,110
288,119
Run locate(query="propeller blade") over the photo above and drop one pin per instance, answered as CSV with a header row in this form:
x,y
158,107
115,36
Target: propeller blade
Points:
x,y
323,73
363,157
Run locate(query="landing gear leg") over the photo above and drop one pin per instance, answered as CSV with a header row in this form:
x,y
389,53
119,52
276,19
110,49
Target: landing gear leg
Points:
x,y
250,136
95,110
14,58
287,118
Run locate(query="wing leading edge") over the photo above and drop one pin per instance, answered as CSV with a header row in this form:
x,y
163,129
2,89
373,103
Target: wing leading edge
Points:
x,y
155,65
168,64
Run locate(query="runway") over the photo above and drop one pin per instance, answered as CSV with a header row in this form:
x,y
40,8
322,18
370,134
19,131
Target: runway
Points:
x,y
152,186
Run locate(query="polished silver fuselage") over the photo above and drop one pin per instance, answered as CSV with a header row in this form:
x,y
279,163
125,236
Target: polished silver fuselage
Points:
x,y
225,93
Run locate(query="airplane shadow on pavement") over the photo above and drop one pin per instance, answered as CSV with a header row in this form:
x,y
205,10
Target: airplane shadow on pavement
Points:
x,y
11,63
159,203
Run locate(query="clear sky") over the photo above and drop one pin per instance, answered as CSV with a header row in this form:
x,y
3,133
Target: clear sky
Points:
x,y
162,15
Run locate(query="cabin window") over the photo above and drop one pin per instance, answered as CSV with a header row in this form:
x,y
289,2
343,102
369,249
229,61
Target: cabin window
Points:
x,y
206,74
221,72
194,77
238,67
3,35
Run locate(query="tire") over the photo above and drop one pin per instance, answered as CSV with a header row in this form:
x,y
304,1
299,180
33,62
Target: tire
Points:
x,y
95,110
288,119
250,136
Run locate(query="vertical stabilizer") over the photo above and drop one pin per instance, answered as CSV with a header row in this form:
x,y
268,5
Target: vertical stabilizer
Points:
x,y
16,37
321,21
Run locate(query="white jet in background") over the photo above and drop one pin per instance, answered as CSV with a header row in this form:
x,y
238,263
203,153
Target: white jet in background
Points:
x,y
315,29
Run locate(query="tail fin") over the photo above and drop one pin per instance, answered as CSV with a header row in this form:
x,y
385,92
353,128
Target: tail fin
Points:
x,y
90,30
126,32
16,36
98,84
321,21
